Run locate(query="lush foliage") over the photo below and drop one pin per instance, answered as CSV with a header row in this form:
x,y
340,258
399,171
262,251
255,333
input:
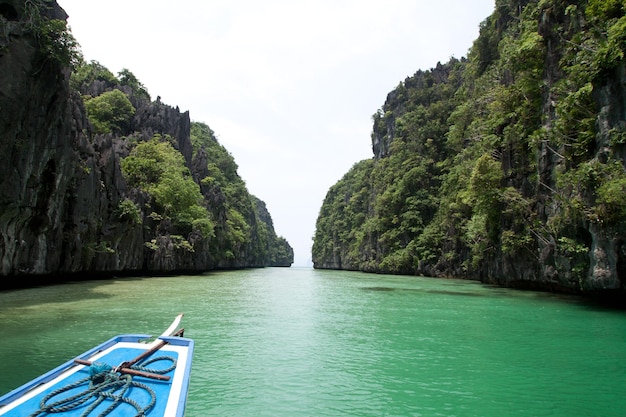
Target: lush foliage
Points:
x,y
55,37
245,225
117,170
201,207
495,160
127,78
89,72
159,169
58,43
218,208
109,112
222,179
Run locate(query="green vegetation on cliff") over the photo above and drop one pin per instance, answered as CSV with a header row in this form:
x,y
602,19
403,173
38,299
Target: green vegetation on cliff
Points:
x,y
202,206
158,169
111,111
243,221
507,166
100,179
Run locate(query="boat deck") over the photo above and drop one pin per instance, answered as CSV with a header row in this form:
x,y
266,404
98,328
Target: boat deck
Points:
x,y
170,395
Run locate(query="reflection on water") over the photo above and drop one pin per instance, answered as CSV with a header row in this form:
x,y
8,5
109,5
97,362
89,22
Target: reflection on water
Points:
x,y
300,342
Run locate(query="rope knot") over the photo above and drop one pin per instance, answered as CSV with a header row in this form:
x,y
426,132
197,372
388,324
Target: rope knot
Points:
x,y
98,372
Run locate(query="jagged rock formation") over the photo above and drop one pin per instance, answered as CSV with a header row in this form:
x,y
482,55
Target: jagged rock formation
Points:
x,y
507,166
65,204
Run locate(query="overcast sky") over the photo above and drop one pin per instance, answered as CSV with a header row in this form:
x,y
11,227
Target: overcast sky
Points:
x,y
288,86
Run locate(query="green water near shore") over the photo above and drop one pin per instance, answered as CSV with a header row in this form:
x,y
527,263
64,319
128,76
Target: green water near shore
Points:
x,y
301,342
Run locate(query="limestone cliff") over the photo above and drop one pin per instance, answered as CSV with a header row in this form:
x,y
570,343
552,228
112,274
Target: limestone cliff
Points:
x,y
65,204
507,166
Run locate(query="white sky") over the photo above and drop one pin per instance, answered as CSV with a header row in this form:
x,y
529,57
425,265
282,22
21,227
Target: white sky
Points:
x,y
288,86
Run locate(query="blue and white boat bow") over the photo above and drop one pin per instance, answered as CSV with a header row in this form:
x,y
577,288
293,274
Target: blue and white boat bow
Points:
x,y
121,377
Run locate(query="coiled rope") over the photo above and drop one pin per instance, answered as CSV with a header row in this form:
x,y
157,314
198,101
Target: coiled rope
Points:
x,y
104,383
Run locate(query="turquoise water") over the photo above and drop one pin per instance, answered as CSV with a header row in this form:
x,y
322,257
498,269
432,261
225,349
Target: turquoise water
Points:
x,y
300,342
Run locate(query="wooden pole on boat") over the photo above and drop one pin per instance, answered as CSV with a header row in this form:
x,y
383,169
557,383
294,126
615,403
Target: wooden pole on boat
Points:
x,y
129,371
125,367
144,355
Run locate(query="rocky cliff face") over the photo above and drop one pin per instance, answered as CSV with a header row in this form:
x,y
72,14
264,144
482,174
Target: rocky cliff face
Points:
x,y
61,185
38,141
508,167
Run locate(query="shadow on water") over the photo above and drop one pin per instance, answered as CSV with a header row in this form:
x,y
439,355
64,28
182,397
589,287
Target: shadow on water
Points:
x,y
611,302
423,290
595,302
379,289
23,282
67,292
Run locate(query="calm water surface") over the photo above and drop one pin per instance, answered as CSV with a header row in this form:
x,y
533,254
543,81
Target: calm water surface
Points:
x,y
300,342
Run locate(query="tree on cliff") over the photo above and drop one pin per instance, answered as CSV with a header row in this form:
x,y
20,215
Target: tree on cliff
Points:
x,y
109,112
158,169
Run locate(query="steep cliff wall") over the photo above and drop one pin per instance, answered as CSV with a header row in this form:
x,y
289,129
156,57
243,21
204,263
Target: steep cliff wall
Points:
x,y
66,207
508,167
38,143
